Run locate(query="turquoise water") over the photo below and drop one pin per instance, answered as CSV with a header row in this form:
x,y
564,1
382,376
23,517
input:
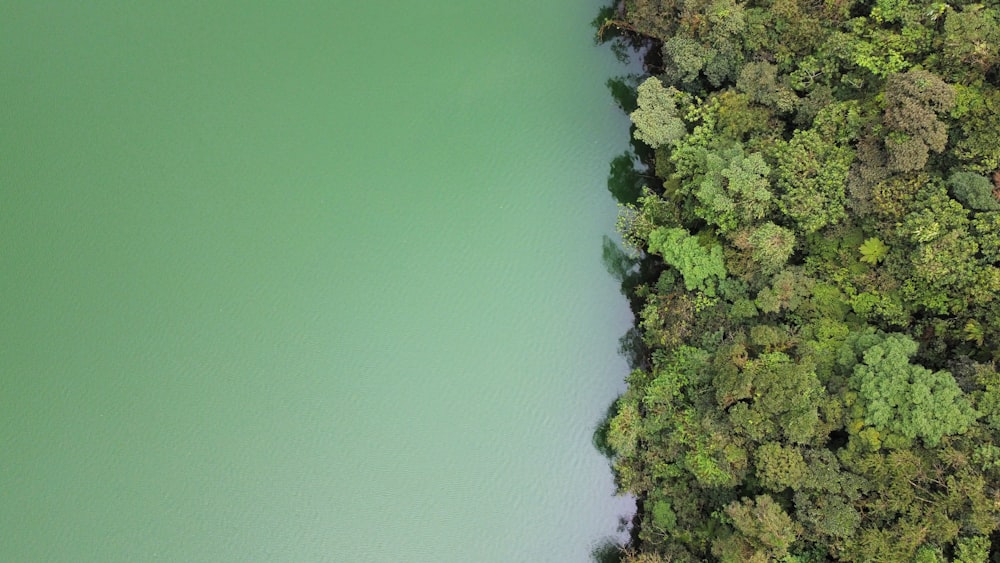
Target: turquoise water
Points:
x,y
305,281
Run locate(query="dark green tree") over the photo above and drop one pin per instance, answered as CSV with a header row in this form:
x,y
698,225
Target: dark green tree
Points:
x,y
811,177
975,191
913,100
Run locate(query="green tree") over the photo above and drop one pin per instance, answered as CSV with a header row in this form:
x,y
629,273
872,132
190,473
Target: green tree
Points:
x,y
789,289
975,120
986,230
772,398
760,81
975,549
941,271
830,518
765,531
685,58
972,41
780,467
738,118
623,433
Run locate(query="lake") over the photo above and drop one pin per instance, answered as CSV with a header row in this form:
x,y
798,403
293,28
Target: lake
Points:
x,y
306,281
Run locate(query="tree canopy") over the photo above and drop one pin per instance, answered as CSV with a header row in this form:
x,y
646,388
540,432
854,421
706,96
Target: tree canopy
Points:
x,y
818,255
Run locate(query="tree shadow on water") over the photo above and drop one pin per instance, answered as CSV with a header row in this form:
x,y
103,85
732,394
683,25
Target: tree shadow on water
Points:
x,y
608,551
629,171
624,91
634,350
624,181
611,549
620,264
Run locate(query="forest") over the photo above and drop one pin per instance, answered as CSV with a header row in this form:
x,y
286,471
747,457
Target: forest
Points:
x,y
814,265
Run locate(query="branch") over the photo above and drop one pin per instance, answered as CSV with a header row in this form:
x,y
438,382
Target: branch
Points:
x,y
617,24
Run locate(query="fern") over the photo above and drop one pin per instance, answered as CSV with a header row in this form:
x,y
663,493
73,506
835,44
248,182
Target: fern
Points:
x,y
873,251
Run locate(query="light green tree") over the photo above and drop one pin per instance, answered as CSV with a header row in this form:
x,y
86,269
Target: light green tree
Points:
x,y
771,246
735,191
873,250
908,399
701,267
656,121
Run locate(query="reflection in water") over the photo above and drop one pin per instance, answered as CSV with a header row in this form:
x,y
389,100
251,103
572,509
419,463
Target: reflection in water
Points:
x,y
600,438
620,264
631,270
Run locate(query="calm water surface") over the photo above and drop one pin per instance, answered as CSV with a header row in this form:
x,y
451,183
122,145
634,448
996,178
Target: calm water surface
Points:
x,y
305,281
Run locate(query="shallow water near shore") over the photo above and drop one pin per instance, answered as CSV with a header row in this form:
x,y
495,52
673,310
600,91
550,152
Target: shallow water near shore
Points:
x,y
308,281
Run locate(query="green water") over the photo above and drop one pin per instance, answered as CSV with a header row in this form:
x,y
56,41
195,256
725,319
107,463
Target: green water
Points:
x,y
305,281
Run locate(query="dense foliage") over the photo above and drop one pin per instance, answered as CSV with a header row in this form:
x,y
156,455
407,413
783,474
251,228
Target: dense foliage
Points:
x,y
817,308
